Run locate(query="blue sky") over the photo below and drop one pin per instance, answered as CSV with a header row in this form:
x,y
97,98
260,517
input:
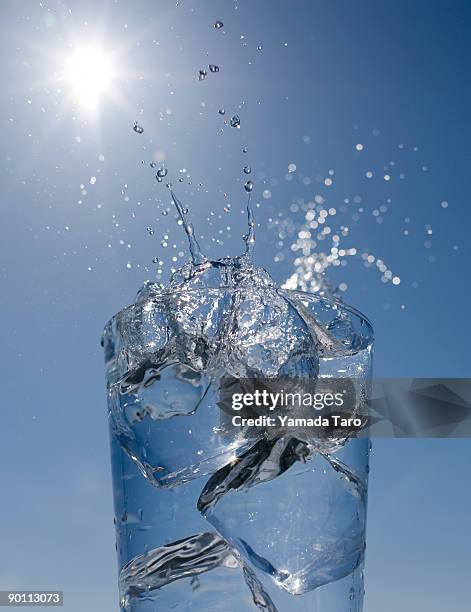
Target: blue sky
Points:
x,y
328,76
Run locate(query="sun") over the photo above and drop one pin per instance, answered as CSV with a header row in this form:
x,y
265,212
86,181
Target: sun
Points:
x,y
89,73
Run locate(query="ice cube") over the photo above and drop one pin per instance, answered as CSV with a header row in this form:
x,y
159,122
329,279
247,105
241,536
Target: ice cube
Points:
x,y
268,337
300,521
188,561
144,332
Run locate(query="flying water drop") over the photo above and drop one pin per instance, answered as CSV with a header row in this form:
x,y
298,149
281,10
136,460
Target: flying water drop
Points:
x,y
235,121
137,128
248,186
202,75
218,25
247,169
213,68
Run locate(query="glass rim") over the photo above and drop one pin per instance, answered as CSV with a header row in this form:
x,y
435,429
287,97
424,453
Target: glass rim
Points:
x,y
303,295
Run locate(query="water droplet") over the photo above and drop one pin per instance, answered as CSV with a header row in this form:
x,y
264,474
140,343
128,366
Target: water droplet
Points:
x,y
222,111
213,68
247,169
161,173
155,260
259,48
202,75
244,150
218,25
164,212
153,164
291,167
235,121
150,231
137,128
248,186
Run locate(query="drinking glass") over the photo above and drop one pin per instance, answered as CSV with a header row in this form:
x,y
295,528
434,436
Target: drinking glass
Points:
x,y
290,542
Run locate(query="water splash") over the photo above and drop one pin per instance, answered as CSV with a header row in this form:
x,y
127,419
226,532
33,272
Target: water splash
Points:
x,y
249,238
197,256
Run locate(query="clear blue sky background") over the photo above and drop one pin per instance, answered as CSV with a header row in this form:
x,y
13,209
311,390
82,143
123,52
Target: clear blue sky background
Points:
x,y
342,73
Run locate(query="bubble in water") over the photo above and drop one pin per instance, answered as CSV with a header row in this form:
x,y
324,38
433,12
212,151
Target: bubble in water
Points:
x,y
218,25
202,75
235,121
248,186
137,128
247,169
213,68
222,111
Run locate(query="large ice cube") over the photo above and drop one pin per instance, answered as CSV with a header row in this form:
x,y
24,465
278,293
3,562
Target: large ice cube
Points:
x,y
301,522
173,345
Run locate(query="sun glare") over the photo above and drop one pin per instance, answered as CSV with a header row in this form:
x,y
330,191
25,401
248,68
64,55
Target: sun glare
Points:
x,y
89,74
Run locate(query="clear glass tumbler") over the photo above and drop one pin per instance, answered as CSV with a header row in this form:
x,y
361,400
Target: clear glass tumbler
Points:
x,y
290,542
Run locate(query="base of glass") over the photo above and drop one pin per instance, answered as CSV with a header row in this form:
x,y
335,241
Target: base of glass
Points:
x,y
228,590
